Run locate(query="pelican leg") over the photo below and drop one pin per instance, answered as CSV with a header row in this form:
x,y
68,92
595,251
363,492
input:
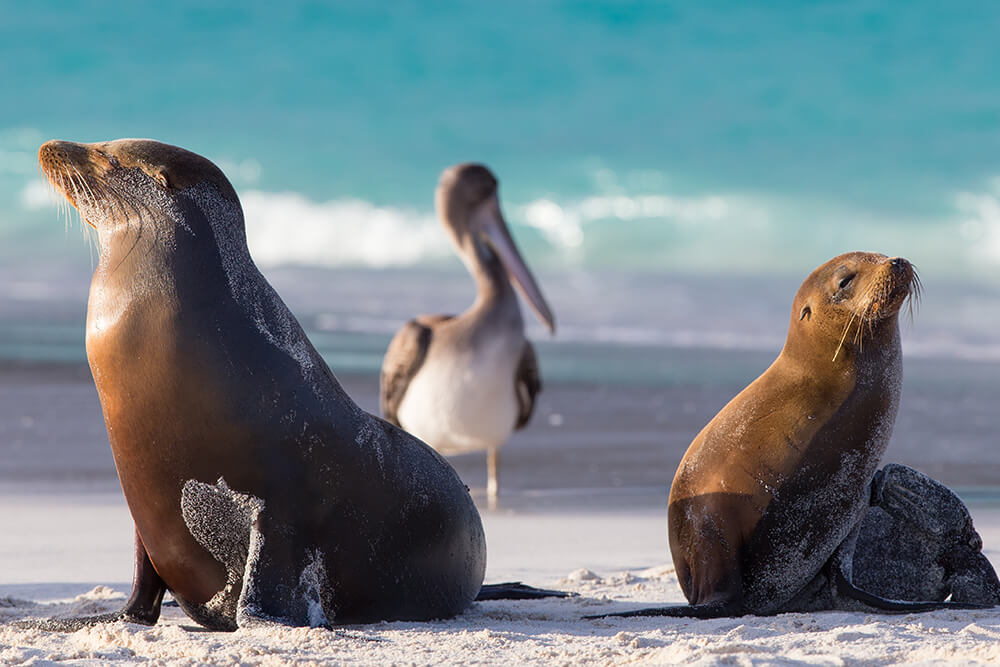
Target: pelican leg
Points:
x,y
492,476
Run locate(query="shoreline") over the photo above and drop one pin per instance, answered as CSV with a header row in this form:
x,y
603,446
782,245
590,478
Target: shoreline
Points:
x,y
584,434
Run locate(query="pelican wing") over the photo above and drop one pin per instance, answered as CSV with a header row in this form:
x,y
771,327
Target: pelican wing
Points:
x,y
527,383
406,354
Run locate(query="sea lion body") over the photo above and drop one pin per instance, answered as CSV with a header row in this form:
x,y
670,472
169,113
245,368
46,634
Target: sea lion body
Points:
x,y
259,489
767,504
777,481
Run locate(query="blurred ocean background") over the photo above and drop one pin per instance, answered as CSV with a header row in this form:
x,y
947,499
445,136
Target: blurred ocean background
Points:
x,y
671,171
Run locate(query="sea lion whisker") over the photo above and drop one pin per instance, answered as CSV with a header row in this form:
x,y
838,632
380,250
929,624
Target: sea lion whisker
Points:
x,y
915,295
64,203
124,200
84,198
77,192
843,337
57,196
83,182
120,201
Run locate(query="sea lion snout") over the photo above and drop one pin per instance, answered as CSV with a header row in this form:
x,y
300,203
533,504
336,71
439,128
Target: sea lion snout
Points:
x,y
72,168
57,150
901,267
58,154
892,285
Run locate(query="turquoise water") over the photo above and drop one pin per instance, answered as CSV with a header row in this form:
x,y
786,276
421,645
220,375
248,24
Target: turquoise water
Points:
x,y
672,172
690,138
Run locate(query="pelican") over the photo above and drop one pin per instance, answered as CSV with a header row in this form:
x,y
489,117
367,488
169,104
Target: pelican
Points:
x,y
464,383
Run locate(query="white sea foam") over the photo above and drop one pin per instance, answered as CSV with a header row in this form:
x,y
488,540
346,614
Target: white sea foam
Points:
x,y
639,225
565,225
37,195
980,224
288,228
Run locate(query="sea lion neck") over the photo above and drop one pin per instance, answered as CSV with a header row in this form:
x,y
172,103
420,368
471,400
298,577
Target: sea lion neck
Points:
x,y
168,258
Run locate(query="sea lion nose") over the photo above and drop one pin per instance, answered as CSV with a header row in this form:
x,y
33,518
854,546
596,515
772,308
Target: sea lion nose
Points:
x,y
898,263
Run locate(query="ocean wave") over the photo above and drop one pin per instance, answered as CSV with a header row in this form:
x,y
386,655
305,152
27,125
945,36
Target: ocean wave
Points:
x,y
37,194
980,223
288,228
712,233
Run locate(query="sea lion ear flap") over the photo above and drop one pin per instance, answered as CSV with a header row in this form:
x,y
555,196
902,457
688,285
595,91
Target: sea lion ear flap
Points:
x,y
161,176
806,313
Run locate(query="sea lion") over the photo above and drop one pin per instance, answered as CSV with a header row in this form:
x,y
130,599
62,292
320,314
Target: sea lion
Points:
x,y
766,504
260,491
464,383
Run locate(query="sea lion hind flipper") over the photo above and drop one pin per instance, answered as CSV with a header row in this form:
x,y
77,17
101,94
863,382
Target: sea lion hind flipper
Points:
x,y
974,580
870,602
515,590
75,623
920,530
708,610
912,496
846,595
142,607
850,597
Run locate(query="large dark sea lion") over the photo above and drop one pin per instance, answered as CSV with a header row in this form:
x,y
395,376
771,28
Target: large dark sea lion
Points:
x,y
259,490
767,502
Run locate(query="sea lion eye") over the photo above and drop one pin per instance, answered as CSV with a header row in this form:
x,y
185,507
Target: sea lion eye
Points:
x,y
845,281
161,177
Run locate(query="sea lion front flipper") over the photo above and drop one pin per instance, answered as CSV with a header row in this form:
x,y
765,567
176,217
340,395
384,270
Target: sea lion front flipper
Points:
x,y
515,590
283,583
277,579
142,607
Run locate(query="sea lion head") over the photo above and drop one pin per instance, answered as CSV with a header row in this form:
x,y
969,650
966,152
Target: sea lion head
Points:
x,y
125,185
170,226
851,300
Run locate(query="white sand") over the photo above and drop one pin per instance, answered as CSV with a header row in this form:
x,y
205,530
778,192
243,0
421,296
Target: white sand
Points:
x,y
58,547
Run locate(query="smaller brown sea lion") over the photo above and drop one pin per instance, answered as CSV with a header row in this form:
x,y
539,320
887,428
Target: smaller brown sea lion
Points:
x,y
767,502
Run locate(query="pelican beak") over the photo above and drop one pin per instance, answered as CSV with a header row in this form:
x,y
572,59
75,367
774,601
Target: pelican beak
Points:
x,y
494,228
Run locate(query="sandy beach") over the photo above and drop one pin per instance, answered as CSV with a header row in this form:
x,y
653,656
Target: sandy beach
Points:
x,y
578,513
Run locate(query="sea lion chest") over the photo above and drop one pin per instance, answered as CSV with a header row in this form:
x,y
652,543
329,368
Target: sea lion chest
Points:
x,y
169,420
